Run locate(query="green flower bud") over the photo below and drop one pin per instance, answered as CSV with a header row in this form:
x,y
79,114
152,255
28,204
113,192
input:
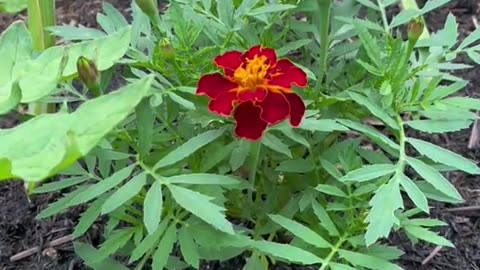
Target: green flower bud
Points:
x,y
150,8
415,29
165,49
88,74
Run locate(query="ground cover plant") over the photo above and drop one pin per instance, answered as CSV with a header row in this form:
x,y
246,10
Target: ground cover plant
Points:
x,y
266,163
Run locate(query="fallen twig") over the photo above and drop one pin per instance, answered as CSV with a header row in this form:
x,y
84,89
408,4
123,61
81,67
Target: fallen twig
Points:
x,y
36,249
464,208
431,255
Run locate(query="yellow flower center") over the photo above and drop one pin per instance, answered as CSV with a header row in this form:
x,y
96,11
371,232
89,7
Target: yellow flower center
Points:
x,y
253,73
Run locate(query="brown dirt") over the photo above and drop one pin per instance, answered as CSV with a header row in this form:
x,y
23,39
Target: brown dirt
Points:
x,y
19,230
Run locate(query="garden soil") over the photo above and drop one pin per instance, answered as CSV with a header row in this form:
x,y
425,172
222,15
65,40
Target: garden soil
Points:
x,y
21,231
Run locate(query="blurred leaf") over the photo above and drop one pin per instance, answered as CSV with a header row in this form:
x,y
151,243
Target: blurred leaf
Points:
x,y
225,11
202,179
439,126
148,242
114,242
368,4
61,184
295,165
152,207
338,266
271,8
70,32
88,217
181,101
433,177
331,190
61,204
301,231
125,193
276,144
239,155
287,252
202,207
292,46
189,147
382,217
444,156
323,125
370,262
89,255
374,109
368,172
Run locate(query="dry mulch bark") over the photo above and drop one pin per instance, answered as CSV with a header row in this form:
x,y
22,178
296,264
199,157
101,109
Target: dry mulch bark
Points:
x,y
19,230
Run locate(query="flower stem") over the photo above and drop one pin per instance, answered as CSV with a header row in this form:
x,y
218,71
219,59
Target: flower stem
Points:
x,y
325,9
255,148
383,12
334,251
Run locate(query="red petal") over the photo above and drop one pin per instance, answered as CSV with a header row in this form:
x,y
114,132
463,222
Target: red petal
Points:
x,y
283,65
229,61
214,84
260,51
275,108
297,108
223,104
294,75
257,95
249,124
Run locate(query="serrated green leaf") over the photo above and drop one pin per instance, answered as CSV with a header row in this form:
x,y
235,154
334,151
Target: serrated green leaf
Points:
x,y
202,179
435,178
384,252
374,109
373,134
439,126
369,172
181,101
425,222
287,252
369,44
160,257
88,217
239,155
145,121
382,217
331,190
152,207
189,147
149,241
201,206
290,132
322,125
368,4
325,220
424,234
367,261
331,169
217,156
89,255
61,204
61,184
414,193
189,248
462,102
102,186
124,193
295,165
444,156
444,91
338,266
301,231
114,242
225,11
470,39
276,144
292,46
271,8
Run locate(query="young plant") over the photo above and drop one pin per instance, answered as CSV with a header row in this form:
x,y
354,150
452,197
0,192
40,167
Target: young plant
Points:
x,y
244,131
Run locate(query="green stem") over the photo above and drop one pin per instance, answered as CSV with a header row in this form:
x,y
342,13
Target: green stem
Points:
x,y
401,140
325,9
255,148
333,252
383,12
41,14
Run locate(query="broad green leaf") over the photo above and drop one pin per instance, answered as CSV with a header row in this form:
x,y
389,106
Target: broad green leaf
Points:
x,y
89,255
369,44
292,46
444,91
447,37
323,125
125,193
189,248
331,190
102,186
414,193
61,138
149,241
239,155
202,179
374,109
295,165
369,172
61,184
439,126
160,257
367,261
114,15
382,217
274,143
301,231
189,147
444,156
325,220
70,32
201,206
88,217
271,8
114,242
152,207
428,236
435,178
145,116
287,252
462,102
10,96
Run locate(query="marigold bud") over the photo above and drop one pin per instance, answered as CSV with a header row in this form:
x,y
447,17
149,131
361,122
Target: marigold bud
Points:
x,y
88,74
165,49
150,8
415,29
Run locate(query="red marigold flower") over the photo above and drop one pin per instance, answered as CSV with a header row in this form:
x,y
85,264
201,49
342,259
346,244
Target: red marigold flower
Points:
x,y
256,88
